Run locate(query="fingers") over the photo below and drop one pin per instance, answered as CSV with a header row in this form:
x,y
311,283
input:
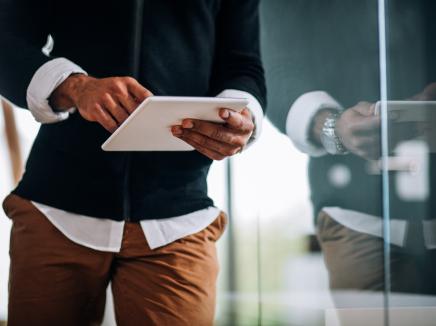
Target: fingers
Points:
x,y
129,93
235,132
238,121
365,108
366,126
215,140
200,143
139,92
105,119
215,131
205,151
368,147
366,143
110,101
192,137
117,111
128,103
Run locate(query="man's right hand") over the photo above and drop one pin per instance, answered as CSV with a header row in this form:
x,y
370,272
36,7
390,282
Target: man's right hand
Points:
x,y
108,101
358,128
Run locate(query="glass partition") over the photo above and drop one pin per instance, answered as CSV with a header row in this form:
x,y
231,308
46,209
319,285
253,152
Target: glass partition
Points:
x,y
323,71
352,85
407,109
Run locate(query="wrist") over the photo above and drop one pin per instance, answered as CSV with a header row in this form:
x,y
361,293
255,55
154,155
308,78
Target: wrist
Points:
x,y
318,125
66,95
330,138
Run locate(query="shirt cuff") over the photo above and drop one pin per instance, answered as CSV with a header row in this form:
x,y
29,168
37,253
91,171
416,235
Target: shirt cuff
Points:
x,y
254,107
45,80
300,116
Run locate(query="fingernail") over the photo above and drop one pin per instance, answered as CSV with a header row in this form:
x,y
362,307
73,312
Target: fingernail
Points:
x,y
225,114
187,124
176,130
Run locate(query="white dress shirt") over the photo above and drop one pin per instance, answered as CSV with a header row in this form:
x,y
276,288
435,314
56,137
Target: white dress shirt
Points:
x,y
298,123
106,234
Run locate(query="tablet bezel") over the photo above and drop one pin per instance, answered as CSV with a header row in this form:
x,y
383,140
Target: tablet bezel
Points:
x,y
207,106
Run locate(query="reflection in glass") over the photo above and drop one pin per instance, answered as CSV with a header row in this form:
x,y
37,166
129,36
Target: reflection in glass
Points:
x,y
323,61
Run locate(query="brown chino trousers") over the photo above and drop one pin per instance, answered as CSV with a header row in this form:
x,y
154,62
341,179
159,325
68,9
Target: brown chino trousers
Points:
x,y
54,281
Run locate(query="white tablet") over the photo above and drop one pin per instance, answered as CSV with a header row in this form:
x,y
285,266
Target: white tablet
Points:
x,y
148,128
409,111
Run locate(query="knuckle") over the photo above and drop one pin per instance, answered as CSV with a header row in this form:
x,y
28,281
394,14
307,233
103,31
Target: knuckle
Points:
x,y
106,98
203,141
129,80
238,141
94,109
118,89
118,84
117,81
217,134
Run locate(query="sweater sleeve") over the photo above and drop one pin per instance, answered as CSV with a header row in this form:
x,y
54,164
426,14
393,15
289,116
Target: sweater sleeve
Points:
x,y
24,27
237,63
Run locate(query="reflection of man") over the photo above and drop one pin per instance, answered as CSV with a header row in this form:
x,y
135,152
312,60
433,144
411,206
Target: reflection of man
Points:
x,y
83,217
332,65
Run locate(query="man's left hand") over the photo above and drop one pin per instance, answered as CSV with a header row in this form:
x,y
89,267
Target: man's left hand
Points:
x,y
214,140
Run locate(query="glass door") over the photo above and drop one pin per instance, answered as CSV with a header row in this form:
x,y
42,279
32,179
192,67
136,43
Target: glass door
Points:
x,y
407,34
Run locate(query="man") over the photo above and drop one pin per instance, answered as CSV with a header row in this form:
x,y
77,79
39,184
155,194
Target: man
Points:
x,y
332,64
83,217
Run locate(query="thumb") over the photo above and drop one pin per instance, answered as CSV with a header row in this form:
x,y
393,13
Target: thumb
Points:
x,y
365,108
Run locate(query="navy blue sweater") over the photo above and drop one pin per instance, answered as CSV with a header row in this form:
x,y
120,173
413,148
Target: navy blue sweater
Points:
x,y
187,48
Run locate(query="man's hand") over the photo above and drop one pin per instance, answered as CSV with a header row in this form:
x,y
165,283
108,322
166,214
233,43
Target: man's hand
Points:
x,y
427,94
108,101
217,141
359,130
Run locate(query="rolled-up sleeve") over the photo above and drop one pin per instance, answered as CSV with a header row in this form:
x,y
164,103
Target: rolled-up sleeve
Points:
x,y
300,117
45,80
